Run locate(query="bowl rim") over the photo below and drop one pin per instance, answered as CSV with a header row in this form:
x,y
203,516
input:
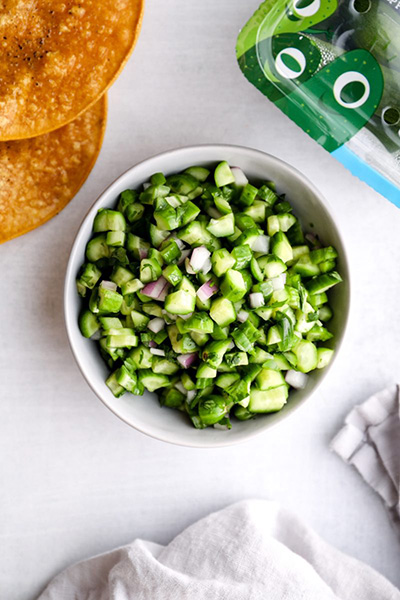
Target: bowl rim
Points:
x,y
70,277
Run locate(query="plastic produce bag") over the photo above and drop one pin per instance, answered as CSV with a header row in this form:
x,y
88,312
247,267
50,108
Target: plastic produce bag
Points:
x,y
333,67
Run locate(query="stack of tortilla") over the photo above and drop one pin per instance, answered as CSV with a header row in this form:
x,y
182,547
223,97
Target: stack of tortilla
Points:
x,y
58,59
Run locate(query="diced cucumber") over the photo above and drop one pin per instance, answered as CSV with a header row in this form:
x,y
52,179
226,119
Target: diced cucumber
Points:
x,y
271,266
223,174
269,400
180,303
221,261
222,227
97,248
109,220
114,386
88,323
324,282
226,379
307,356
268,378
222,312
153,381
324,357
281,248
233,286
199,173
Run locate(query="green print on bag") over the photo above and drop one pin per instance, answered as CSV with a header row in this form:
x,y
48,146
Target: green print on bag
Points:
x,y
278,64
341,98
333,67
284,16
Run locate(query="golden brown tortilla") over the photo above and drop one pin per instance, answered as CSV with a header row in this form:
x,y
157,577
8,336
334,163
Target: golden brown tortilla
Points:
x,y
58,58
39,176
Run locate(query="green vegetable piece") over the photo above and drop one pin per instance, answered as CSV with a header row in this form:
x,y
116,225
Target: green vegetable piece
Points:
x,y
171,252
233,286
109,220
269,400
212,409
121,275
325,356
281,248
140,358
180,303
223,174
172,398
221,261
88,324
153,381
242,255
108,300
222,312
183,183
213,353
150,270
172,274
199,173
248,195
324,282
115,238
222,227
199,323
97,248
245,335
114,386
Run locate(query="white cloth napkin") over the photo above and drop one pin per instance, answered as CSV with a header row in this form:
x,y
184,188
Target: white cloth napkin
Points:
x,y
252,550
370,441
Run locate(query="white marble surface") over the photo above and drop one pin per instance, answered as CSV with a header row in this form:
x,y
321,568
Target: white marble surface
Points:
x,y
76,481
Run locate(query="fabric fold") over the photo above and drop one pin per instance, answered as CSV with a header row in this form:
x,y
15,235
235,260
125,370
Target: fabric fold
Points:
x,y
252,550
370,441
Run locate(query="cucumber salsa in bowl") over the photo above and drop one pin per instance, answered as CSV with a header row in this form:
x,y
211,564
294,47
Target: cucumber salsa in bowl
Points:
x,y
203,288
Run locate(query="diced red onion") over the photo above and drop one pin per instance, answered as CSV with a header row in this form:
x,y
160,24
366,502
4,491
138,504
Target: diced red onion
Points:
x,y
186,360
214,213
156,325
242,316
179,386
164,293
260,244
109,285
154,289
256,300
169,315
240,177
186,316
157,351
152,344
313,240
198,258
278,283
191,395
178,242
206,291
183,256
296,379
188,267
220,426
206,268
143,252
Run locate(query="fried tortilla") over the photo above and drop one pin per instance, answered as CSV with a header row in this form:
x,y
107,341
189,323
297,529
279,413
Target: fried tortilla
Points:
x,y
58,59
40,175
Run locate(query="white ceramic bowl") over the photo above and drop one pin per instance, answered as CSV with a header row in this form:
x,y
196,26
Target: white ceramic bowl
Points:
x,y
144,413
